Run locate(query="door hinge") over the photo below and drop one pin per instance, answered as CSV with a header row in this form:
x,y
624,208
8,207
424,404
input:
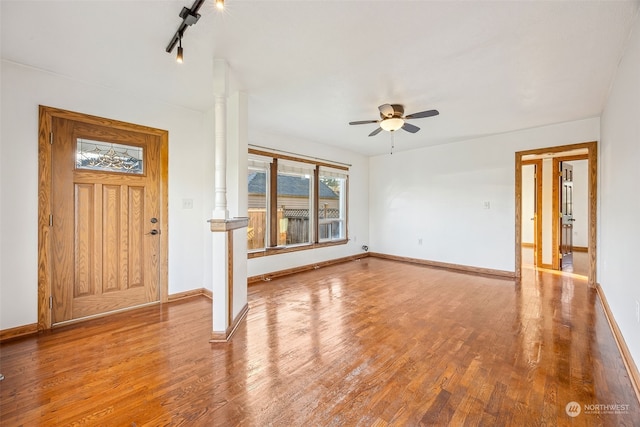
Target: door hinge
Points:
x,y
50,302
50,138
50,220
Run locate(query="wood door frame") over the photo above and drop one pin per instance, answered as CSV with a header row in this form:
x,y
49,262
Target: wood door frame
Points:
x,y
46,116
592,157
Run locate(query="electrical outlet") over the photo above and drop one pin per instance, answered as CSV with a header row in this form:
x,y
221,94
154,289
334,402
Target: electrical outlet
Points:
x,y
187,203
420,241
487,205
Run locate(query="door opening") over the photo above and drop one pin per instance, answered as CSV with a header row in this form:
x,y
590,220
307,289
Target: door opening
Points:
x,y
566,216
563,196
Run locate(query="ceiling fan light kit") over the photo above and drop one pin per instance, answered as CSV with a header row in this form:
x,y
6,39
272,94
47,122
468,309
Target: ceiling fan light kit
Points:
x,y
392,118
391,124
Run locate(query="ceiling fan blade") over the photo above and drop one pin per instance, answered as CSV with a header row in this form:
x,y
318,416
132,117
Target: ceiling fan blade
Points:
x,y
375,132
363,122
422,114
386,110
410,128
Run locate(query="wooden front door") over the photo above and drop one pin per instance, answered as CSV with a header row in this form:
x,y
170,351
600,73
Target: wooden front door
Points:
x,y
105,204
566,216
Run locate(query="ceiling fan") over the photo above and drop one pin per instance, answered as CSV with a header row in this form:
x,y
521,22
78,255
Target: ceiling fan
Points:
x,y
392,118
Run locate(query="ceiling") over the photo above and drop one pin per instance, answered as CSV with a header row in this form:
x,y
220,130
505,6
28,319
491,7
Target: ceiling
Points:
x,y
309,67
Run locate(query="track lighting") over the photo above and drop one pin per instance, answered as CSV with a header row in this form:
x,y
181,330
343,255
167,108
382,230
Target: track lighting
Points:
x,y
179,58
189,16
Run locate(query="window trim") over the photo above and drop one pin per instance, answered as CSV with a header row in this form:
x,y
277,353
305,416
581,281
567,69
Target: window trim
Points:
x,y
343,204
273,248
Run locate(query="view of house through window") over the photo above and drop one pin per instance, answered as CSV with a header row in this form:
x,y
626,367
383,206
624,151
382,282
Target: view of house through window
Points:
x,y
294,203
306,206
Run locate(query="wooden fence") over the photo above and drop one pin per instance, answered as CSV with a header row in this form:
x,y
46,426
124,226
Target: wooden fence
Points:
x,y
295,222
256,229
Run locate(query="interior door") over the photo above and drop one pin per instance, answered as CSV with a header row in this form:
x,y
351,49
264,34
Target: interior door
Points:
x,y
105,230
566,216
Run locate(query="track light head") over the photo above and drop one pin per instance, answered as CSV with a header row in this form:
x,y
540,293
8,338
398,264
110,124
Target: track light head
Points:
x,y
220,4
189,17
179,58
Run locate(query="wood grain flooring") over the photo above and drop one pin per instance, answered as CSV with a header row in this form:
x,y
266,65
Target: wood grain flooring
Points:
x,y
579,264
364,343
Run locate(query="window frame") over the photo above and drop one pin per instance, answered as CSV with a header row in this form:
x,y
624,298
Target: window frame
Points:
x,y
261,166
299,171
342,202
271,244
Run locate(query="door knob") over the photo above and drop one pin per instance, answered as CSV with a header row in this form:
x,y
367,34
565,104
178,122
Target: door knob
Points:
x,y
154,220
154,232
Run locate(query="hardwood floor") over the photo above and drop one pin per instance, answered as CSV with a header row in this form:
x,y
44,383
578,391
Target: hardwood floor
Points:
x,y
368,343
579,264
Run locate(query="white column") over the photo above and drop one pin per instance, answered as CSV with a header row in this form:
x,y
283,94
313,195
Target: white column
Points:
x,y
220,291
220,89
229,287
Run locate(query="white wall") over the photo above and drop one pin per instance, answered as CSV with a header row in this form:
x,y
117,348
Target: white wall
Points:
x,y
23,89
580,202
528,203
547,211
437,194
619,228
358,204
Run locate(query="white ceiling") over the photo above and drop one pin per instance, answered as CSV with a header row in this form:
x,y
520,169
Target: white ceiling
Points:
x,y
310,67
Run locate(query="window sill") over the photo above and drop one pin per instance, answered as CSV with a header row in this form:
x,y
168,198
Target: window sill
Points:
x,y
286,249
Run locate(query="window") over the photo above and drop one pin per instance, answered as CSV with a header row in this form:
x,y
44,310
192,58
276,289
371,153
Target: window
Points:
x,y
294,203
108,157
258,184
332,202
294,197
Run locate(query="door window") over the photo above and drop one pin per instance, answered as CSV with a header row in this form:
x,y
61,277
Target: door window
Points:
x,y
109,157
